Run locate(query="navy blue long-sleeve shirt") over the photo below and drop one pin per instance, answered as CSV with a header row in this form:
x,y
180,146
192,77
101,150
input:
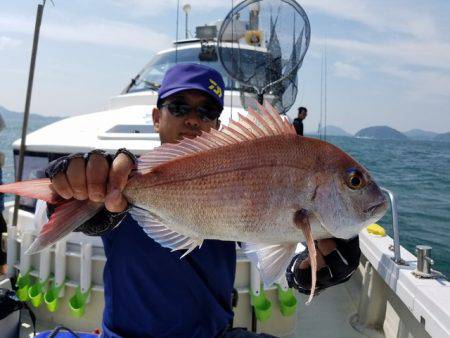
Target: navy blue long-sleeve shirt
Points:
x,y
150,292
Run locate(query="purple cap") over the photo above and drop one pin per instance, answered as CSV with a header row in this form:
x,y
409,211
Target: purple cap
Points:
x,y
185,76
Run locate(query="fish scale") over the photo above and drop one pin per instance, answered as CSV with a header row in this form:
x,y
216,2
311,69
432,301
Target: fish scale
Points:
x,y
249,204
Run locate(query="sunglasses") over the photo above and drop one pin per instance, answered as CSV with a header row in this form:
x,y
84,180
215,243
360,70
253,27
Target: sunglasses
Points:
x,y
180,109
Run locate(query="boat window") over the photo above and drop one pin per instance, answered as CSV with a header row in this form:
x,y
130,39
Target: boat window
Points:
x,y
132,129
151,76
33,167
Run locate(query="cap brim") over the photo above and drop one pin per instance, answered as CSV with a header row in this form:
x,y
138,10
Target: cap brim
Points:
x,y
181,89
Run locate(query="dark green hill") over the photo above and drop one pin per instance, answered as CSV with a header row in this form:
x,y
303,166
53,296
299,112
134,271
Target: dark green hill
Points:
x,y
381,133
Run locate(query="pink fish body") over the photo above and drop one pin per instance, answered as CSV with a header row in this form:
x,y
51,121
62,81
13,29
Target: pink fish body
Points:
x,y
244,183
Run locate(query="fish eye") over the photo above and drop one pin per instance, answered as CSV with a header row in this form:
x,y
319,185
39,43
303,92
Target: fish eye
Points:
x,y
355,179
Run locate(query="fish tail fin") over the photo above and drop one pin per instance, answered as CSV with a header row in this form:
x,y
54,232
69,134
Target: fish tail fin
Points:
x,y
40,189
68,216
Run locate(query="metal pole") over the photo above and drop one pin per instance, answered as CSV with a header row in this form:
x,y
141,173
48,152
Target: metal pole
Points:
x,y
37,27
186,28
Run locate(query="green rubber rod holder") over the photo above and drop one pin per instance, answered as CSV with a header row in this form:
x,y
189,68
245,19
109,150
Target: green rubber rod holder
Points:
x,y
23,284
77,302
288,302
35,293
261,305
51,297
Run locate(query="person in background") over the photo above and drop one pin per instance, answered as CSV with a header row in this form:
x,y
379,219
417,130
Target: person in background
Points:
x,y
298,122
2,207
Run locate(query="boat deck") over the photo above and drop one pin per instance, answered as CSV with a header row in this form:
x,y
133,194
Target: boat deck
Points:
x,y
327,316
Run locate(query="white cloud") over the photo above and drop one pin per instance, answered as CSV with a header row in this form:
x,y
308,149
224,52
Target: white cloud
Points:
x,y
89,30
346,70
423,66
398,16
146,8
426,53
421,85
7,42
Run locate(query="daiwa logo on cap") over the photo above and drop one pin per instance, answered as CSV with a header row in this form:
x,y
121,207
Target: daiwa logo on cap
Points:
x,y
215,88
185,76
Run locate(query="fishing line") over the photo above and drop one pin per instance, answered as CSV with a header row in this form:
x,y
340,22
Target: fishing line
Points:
x,y
232,81
176,34
325,96
319,129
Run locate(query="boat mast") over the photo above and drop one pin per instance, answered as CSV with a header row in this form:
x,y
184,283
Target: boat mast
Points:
x,y
186,9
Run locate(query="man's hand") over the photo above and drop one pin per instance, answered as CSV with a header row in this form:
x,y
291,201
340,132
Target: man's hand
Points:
x,y
94,179
337,260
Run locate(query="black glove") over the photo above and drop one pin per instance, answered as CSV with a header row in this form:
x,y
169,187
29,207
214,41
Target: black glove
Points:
x,y
104,220
341,264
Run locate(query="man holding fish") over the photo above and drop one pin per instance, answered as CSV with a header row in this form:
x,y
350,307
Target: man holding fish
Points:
x,y
255,182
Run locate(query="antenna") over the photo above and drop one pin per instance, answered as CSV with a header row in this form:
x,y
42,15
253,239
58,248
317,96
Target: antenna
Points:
x,y
186,9
176,34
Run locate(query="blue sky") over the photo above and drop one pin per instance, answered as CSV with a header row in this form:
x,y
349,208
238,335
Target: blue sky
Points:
x,y
388,61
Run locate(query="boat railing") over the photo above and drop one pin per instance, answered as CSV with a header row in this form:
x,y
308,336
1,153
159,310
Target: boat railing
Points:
x,y
393,203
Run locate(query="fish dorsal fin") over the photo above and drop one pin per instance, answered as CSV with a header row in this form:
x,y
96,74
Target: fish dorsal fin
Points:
x,y
248,127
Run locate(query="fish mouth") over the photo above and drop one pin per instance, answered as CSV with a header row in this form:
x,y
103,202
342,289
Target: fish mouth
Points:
x,y
375,208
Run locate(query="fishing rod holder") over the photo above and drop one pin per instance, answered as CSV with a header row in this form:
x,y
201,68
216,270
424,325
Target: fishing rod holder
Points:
x,y
393,202
424,261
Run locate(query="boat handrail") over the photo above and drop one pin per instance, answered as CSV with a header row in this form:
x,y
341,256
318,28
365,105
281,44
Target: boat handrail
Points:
x,y
393,202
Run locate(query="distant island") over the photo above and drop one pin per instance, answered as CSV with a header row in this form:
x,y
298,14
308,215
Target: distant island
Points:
x,y
12,115
442,137
419,134
335,131
387,133
381,133
331,131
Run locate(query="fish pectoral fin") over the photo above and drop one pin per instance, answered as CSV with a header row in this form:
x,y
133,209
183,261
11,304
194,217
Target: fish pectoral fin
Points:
x,y
161,234
271,260
301,220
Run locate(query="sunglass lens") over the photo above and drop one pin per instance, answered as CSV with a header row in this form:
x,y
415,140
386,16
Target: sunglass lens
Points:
x,y
207,114
177,109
